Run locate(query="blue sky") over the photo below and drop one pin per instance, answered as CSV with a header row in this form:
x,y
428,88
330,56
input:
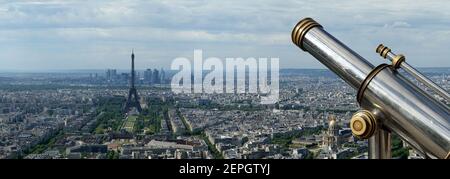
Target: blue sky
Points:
x,y
40,35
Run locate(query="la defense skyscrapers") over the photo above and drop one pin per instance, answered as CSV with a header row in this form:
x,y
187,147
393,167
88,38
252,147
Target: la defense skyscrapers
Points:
x,y
133,97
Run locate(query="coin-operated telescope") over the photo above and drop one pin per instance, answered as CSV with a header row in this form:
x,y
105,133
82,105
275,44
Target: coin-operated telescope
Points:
x,y
389,101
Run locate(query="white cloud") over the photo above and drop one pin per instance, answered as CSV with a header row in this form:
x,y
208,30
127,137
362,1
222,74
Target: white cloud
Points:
x,y
238,28
398,24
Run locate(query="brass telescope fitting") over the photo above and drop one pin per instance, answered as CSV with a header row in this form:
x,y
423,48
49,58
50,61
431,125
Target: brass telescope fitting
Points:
x,y
363,124
385,52
299,31
362,88
397,60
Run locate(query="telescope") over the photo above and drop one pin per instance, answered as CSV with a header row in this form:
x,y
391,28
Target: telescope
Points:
x,y
389,101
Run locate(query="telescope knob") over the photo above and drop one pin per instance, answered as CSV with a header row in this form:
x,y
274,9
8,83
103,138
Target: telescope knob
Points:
x,y
383,50
386,52
363,124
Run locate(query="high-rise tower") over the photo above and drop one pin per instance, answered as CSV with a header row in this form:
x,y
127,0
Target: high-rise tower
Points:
x,y
133,98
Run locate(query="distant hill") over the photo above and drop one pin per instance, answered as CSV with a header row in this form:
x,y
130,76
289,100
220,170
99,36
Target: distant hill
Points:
x,y
5,79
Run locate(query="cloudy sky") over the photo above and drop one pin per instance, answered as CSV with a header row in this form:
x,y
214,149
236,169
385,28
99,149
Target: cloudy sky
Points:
x,y
40,35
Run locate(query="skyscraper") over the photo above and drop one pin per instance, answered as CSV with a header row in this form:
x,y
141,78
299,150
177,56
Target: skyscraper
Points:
x,y
133,98
163,76
111,74
156,78
108,74
148,76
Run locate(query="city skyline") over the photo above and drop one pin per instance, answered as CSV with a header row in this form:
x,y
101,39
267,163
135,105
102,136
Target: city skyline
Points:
x,y
84,118
56,35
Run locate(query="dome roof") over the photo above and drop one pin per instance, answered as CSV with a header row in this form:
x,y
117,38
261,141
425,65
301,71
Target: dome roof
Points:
x,y
332,124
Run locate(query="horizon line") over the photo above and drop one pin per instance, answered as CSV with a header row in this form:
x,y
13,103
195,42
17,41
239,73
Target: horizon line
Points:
x,y
143,69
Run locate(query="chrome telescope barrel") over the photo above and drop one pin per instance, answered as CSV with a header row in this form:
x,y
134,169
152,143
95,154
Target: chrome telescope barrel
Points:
x,y
347,64
397,104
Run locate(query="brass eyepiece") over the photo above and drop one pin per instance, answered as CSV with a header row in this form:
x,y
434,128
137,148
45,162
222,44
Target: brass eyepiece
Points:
x,y
300,30
363,124
383,50
396,59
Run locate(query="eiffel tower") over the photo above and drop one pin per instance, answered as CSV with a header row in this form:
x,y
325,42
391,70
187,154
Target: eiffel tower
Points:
x,y
133,98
